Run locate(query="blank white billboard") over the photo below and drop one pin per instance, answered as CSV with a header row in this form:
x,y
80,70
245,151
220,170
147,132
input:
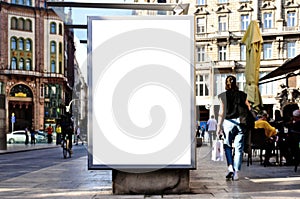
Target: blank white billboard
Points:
x,y
141,92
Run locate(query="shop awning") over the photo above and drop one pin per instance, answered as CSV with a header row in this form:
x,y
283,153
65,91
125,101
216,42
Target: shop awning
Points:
x,y
287,67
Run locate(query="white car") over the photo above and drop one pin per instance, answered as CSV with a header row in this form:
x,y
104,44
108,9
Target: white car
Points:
x,y
17,137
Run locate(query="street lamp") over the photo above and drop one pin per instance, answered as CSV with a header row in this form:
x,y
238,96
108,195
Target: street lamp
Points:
x,y
69,106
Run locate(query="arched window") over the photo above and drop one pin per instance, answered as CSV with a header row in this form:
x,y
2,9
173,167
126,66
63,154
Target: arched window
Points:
x,y
14,23
60,48
21,24
21,64
28,25
53,28
60,29
13,43
28,45
20,88
53,47
21,44
60,67
53,67
28,64
13,63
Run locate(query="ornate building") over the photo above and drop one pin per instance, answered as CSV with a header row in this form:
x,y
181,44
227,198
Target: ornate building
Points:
x,y
219,28
36,64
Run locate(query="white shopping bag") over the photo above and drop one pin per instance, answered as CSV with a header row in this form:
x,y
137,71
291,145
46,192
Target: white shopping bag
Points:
x,y
217,151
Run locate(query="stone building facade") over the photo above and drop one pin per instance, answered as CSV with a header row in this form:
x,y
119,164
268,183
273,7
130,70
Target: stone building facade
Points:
x,y
36,64
219,27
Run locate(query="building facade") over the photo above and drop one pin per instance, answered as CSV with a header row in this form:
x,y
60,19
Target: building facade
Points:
x,y
219,27
36,64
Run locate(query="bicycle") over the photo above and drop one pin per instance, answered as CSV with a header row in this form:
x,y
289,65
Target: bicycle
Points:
x,y
65,146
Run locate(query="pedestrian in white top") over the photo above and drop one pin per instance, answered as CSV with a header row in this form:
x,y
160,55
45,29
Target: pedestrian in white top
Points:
x,y
212,128
78,135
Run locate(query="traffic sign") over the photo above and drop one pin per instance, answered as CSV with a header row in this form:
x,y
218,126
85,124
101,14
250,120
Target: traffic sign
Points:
x,y
13,119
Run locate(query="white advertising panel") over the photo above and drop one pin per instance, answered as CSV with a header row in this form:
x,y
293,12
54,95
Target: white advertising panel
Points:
x,y
141,92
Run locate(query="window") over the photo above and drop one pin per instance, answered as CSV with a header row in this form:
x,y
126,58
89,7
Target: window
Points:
x,y
201,2
222,53
13,63
200,25
21,64
42,90
21,2
243,52
60,29
291,49
14,23
13,43
13,1
202,82
21,44
28,3
28,45
222,23
21,24
60,48
53,47
223,1
268,88
268,20
245,20
53,28
28,25
241,81
219,83
60,67
291,19
53,67
267,50
28,64
200,53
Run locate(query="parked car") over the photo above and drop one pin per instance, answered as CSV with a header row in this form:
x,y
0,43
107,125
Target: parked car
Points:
x,y
41,137
19,137
16,137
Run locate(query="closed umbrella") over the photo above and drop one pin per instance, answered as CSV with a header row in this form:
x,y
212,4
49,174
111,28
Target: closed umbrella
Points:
x,y
253,41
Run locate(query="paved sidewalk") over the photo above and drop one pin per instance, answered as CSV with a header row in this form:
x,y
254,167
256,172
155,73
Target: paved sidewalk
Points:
x,y
14,148
208,181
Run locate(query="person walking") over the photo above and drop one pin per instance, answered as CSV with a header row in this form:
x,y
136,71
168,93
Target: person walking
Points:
x,y
232,104
49,134
58,134
32,135
26,136
211,129
78,137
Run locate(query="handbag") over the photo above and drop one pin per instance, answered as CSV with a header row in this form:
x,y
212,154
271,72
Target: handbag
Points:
x,y
218,151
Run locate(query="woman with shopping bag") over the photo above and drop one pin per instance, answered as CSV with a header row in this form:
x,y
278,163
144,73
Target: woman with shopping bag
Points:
x,y
232,104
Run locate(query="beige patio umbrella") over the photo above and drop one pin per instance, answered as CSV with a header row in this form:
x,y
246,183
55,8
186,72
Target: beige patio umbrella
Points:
x,y
253,41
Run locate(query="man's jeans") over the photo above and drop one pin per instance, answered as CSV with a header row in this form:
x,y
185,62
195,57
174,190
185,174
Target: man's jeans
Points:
x,y
233,134
212,136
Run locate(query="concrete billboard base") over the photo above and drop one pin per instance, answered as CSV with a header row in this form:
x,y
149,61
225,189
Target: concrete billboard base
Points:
x,y
164,181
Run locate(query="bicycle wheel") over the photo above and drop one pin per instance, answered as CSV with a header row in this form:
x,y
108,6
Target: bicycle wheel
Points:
x,y
65,150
